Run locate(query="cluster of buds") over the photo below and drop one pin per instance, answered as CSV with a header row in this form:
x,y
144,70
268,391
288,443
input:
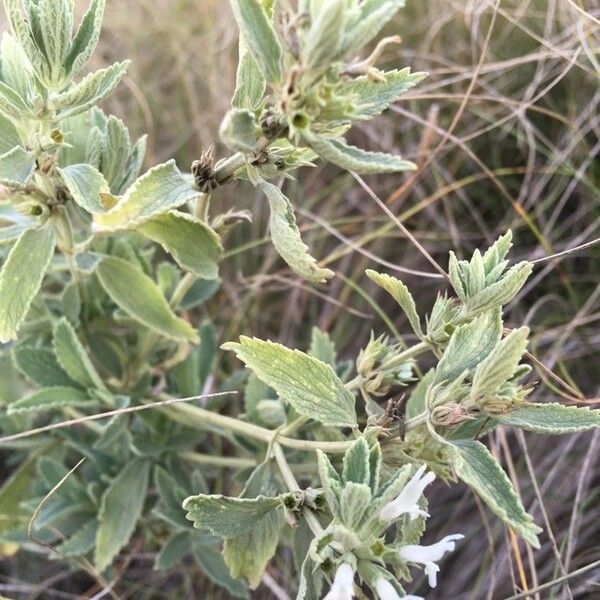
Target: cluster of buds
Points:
x,y
356,547
380,366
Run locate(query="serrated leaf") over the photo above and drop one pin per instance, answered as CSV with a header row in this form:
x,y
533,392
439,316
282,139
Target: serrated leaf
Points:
x,y
21,277
86,38
73,357
259,34
551,418
120,508
500,364
17,167
85,184
91,90
49,399
158,191
311,387
351,158
330,481
286,237
469,345
228,517
400,293
356,463
81,542
41,367
56,19
322,347
323,40
481,472
355,499
371,97
138,295
193,244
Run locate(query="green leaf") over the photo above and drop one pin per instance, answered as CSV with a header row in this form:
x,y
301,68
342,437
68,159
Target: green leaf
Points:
x,y
240,131
469,345
73,357
85,184
16,69
91,90
249,84
228,517
551,418
311,387
322,347
120,508
81,542
330,481
136,293
356,463
322,42
500,364
355,499
193,244
40,366
86,38
17,167
158,191
371,97
9,136
479,470
415,405
175,549
286,237
11,103
259,34
401,295
21,277
49,399
56,19
338,152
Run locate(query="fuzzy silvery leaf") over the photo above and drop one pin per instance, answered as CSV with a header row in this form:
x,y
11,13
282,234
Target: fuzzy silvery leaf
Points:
x,y
120,508
81,542
73,358
140,297
500,364
116,150
372,96
330,482
356,463
286,237
250,84
86,38
11,103
310,386
41,367
16,69
551,418
355,499
48,399
322,42
191,242
11,233
322,347
481,472
158,191
133,166
240,131
248,554
91,90
351,158
469,345
22,31
401,295
9,136
228,517
21,277
56,22
369,20
85,184
17,167
259,34
415,405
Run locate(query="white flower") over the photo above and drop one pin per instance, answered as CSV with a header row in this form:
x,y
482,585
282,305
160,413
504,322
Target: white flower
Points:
x,y
428,556
407,500
342,587
385,590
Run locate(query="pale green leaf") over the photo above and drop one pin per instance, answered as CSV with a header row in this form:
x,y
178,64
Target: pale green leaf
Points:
x,y
355,499
322,347
49,399
240,131
479,470
356,463
193,244
85,184
86,38
21,277
322,42
250,84
73,357
138,295
56,19
401,295
311,387
120,508
259,34
9,136
41,367
17,167
16,70
551,418
11,103
351,158
174,550
286,237
158,191
81,542
415,405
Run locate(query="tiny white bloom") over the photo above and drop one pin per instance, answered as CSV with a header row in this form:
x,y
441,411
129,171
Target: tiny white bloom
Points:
x,y
385,590
428,556
411,597
342,587
407,500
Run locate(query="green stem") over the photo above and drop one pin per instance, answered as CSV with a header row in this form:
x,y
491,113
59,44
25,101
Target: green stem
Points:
x,y
417,420
218,461
398,359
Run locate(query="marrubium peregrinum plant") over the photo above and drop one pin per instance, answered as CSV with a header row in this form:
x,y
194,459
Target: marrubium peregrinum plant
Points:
x,y
103,272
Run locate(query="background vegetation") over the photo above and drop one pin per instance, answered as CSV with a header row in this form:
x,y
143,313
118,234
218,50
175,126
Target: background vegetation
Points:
x,y
506,131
